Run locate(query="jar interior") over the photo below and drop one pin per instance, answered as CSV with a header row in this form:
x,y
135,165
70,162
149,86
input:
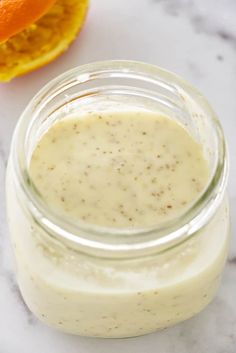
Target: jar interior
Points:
x,y
124,86
124,91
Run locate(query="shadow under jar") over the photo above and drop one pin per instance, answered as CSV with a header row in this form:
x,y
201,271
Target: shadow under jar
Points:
x,y
109,282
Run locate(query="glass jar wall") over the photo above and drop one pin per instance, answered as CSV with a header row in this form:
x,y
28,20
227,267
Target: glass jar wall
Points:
x,y
107,282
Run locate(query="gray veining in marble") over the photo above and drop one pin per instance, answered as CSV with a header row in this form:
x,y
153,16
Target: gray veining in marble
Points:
x,y
194,38
221,22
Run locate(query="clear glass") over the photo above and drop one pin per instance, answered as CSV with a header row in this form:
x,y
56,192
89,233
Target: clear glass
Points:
x,y
108,282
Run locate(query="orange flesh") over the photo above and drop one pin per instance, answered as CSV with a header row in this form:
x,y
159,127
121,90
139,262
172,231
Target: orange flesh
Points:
x,y
42,41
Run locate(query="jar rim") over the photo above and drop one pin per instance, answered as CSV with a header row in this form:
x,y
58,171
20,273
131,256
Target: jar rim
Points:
x,y
125,242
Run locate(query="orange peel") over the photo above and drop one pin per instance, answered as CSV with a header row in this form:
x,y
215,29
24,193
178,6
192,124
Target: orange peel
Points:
x,y
16,15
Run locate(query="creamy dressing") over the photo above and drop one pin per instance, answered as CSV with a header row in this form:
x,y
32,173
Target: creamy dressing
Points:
x,y
117,170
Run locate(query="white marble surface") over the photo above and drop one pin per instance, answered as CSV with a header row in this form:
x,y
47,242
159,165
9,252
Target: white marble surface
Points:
x,y
194,38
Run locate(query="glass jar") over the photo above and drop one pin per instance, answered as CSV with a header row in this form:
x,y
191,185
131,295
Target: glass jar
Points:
x,y
108,282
